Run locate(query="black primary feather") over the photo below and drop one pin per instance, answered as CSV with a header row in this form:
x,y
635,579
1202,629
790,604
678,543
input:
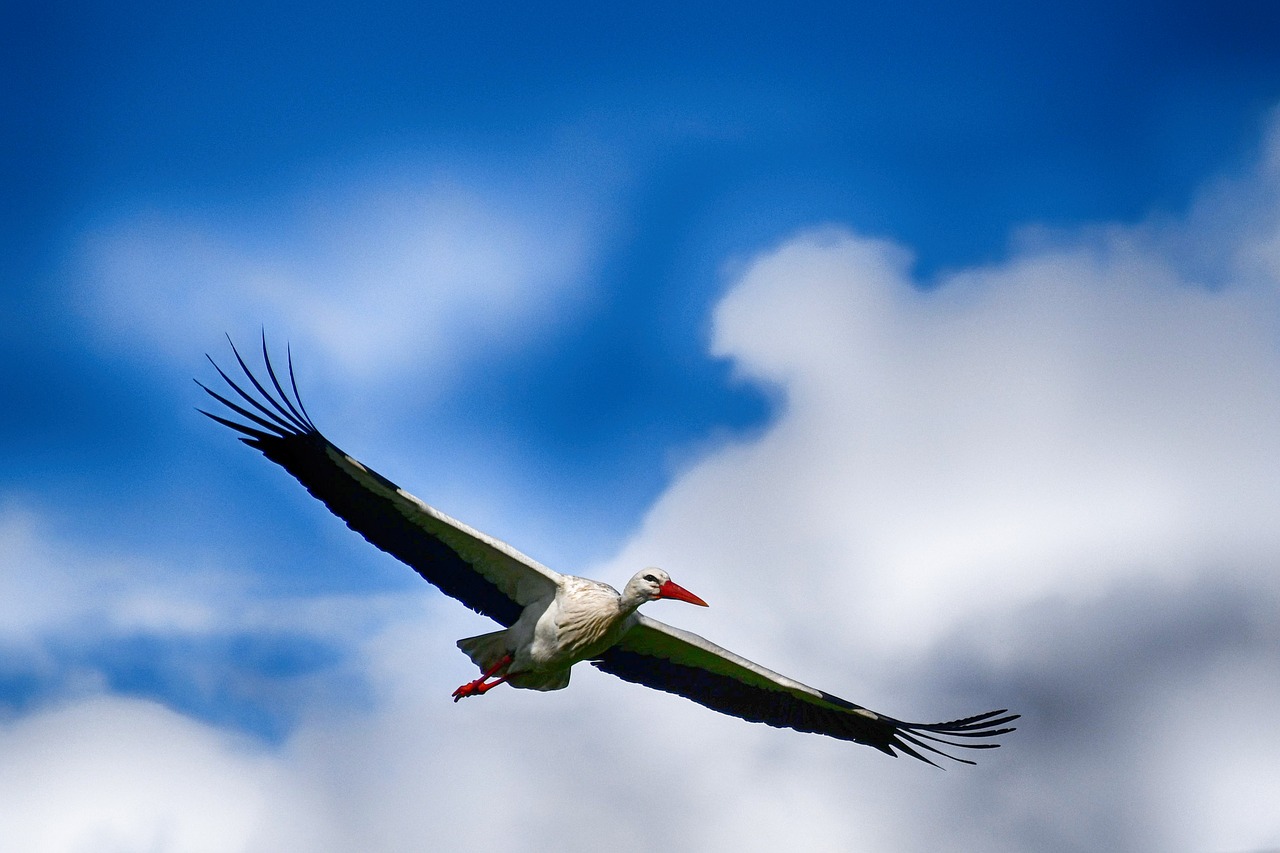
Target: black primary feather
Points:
x,y
280,428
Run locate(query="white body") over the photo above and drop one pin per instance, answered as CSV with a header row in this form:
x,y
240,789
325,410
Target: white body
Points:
x,y
577,622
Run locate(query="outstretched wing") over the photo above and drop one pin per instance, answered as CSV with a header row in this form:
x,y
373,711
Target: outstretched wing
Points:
x,y
657,655
483,573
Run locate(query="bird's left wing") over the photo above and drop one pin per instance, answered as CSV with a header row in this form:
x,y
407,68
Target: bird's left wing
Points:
x,y
483,573
658,655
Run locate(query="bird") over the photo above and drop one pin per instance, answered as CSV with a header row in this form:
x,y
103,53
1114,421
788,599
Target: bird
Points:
x,y
550,620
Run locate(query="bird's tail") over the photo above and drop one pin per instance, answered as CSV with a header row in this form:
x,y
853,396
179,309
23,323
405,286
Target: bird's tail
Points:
x,y
485,650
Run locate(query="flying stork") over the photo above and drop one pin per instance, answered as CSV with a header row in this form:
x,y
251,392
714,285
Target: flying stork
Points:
x,y
552,621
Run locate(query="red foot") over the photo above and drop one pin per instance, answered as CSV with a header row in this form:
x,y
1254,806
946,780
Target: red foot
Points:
x,y
471,688
479,687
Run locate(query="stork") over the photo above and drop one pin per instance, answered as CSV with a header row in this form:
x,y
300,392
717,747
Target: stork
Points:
x,y
551,620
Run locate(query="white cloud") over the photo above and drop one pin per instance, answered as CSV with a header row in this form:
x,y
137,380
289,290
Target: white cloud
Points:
x,y
112,774
1043,427
1040,436
377,278
50,588
118,773
1218,791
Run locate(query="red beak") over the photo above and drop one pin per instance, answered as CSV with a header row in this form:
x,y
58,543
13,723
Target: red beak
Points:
x,y
671,589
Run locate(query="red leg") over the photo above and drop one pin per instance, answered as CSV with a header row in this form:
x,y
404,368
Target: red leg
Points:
x,y
485,688
478,687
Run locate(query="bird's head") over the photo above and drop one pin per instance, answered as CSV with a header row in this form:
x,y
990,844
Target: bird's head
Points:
x,y
651,584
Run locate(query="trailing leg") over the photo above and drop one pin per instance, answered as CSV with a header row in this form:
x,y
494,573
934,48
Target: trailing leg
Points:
x,y
479,687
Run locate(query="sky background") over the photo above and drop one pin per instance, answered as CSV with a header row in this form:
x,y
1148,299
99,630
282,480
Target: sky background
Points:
x,y
936,346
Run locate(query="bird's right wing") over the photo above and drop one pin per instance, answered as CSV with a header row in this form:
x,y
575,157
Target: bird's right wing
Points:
x,y
483,573
658,655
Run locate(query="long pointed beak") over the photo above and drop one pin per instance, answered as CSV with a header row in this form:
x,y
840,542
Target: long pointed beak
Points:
x,y
671,589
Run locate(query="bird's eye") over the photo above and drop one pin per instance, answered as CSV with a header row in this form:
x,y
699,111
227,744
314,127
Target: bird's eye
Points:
x,y
650,578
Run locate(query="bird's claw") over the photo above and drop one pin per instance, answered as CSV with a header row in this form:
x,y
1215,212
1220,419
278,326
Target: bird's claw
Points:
x,y
482,684
471,688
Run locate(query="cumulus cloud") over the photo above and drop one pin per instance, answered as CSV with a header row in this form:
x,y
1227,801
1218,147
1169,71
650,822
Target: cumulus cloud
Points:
x,y
1050,483
600,765
1020,431
112,774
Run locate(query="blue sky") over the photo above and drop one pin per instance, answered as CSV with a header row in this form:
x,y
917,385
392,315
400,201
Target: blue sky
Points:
x,y
936,346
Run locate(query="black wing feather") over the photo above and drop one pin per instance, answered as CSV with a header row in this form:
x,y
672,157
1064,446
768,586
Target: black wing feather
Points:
x,y
285,435
761,696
